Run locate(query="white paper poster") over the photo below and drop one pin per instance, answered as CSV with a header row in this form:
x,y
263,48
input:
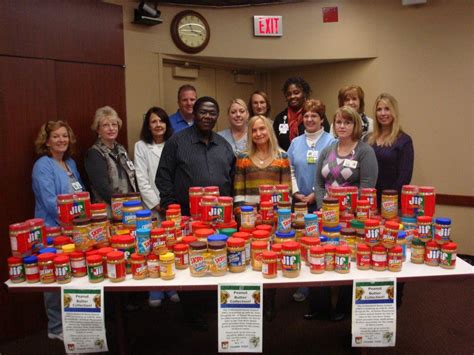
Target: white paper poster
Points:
x,y
240,318
374,312
83,319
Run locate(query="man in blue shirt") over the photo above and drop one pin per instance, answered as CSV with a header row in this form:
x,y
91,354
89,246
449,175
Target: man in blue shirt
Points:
x,y
184,117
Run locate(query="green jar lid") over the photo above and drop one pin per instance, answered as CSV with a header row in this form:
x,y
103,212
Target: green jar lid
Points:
x,y
356,224
228,231
418,242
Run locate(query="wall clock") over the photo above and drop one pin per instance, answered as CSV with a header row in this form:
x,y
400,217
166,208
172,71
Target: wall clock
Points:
x,y
190,31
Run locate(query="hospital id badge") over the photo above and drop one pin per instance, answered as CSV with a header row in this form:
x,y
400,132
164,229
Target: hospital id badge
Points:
x,y
312,156
130,165
76,186
349,163
283,128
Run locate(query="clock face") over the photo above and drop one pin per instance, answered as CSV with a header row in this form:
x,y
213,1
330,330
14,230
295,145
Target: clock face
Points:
x,y
190,31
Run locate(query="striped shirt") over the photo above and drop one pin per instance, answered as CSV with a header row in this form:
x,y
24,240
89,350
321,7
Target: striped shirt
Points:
x,y
248,177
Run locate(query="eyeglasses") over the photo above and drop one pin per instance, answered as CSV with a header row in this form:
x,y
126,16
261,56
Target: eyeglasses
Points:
x,y
344,123
109,125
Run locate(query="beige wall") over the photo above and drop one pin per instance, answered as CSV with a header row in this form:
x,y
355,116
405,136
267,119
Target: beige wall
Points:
x,y
423,55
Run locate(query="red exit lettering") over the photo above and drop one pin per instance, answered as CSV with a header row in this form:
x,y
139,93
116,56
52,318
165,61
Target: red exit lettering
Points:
x,y
268,25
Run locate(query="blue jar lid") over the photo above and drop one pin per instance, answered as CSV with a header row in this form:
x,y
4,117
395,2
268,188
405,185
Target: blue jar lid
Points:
x,y
217,238
408,219
310,217
284,210
323,239
30,259
444,221
132,204
47,250
401,235
332,229
246,209
49,241
141,231
285,235
143,213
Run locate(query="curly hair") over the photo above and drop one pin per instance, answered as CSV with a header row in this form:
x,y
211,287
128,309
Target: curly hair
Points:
x,y
145,133
45,133
299,83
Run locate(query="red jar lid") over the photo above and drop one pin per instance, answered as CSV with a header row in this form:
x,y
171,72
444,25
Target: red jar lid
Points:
x,y
281,187
52,230
316,249
65,197
290,245
259,244
92,252
152,257
242,235
211,188
363,203
424,219
378,248
432,243
198,225
167,224
235,242
83,194
266,187
343,249
266,204
35,222
18,227
260,234
91,259
98,206
125,239
427,189
371,223
171,211
363,247
61,259
174,206
367,190
203,232
264,227
104,251
310,240
157,231
231,224
247,230
195,189
14,260
396,249
61,240
46,257
409,188
189,239
392,225
137,257
329,248
276,247
268,255
209,199
346,217
394,219
351,189
76,254
115,255
449,246
180,247
225,199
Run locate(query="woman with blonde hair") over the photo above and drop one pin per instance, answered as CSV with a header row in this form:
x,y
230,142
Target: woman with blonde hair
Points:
x,y
236,134
393,147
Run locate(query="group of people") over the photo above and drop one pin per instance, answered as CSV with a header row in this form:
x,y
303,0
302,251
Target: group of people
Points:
x,y
299,148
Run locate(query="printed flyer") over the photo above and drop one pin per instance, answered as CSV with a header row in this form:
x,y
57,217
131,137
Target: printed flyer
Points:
x,y
83,320
240,318
374,313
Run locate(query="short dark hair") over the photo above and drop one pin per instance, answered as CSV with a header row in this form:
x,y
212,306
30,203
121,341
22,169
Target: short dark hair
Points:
x,y
299,82
145,133
185,87
203,99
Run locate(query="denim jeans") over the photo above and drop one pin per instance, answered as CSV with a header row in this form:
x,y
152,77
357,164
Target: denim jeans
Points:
x,y
159,295
52,303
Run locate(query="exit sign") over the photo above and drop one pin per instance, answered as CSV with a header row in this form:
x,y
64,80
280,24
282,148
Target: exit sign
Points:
x,y
268,25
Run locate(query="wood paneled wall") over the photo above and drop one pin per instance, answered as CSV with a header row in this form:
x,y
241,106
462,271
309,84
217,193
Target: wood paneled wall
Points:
x,y
58,60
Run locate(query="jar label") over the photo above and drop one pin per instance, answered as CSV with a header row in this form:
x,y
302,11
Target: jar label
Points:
x,y
220,261
311,229
31,270
236,258
316,261
197,263
447,258
96,272
330,215
97,234
143,245
342,262
17,272
291,262
111,271
379,257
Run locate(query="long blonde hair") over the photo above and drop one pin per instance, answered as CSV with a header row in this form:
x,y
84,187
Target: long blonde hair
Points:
x,y
396,129
272,141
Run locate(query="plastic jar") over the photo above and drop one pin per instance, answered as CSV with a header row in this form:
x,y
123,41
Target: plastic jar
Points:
x,y
211,190
402,243
65,208
208,209
247,217
218,262
369,194
266,193
80,234
248,239
99,232
139,266
236,254
174,215
442,230
19,243
116,267
329,257
98,210
195,195
424,228
348,237
143,241
153,266
343,259
362,210
447,259
170,233
226,206
306,243
82,204
117,205
103,254
409,226
282,193
339,193
266,212
129,210
409,200
167,267
95,268
46,268
257,249
372,232
432,253
62,269
317,259
333,234
277,249
203,234
363,257
417,251
311,225
67,249
59,242
30,264
379,258
143,219
78,264
352,193
16,270
181,256
395,259
126,244
301,209
261,235
389,204
284,220
197,262
330,216
158,241
269,264
291,259
426,201
284,237
390,234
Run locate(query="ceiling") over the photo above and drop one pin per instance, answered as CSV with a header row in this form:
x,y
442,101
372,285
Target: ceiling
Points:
x,y
223,3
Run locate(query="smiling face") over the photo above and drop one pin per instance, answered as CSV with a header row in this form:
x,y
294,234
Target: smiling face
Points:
x,y
108,129
58,142
384,114
260,135
294,97
186,102
206,117
259,105
157,127
312,121
238,116
352,100
343,127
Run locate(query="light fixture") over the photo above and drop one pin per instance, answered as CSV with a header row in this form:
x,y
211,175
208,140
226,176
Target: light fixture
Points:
x,y
147,15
